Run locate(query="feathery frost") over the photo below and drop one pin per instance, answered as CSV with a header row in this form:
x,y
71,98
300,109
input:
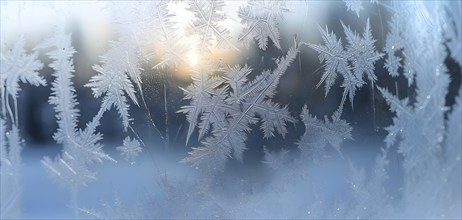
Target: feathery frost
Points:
x,y
228,106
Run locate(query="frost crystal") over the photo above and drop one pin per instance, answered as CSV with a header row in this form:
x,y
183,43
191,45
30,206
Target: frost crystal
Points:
x,y
352,62
81,148
207,16
230,112
354,6
275,160
371,198
319,134
227,101
420,128
17,66
260,21
130,149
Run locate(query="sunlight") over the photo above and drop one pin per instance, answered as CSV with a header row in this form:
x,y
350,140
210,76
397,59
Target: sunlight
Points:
x,y
193,58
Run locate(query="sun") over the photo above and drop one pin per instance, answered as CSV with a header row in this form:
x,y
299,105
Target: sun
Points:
x,y
193,58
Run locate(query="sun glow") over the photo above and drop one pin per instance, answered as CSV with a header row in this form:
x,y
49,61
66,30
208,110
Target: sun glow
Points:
x,y
193,58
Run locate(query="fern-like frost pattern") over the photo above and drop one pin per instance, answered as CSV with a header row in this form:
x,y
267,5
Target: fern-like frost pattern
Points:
x,y
230,112
319,134
352,62
260,19
81,148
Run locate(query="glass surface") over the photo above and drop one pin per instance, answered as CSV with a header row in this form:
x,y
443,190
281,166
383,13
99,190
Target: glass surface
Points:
x,y
231,109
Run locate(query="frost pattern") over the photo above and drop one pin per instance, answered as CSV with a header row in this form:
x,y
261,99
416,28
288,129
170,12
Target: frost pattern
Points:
x,y
224,103
11,146
260,21
452,171
404,26
81,148
16,65
319,134
230,112
130,149
419,142
120,69
352,62
119,74
116,210
275,160
453,29
170,52
424,143
200,93
354,6
371,198
207,16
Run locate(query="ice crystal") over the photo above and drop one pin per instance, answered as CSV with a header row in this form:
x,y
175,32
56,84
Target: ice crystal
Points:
x,y
81,148
232,111
206,24
318,134
130,149
352,62
260,19
16,65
